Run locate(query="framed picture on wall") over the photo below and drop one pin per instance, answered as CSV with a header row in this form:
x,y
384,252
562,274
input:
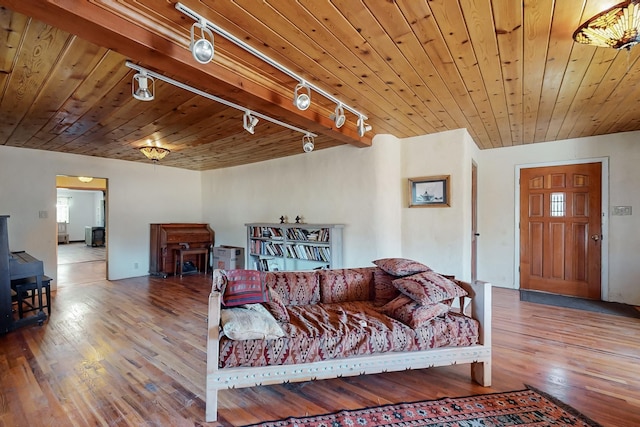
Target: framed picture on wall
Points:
x,y
430,192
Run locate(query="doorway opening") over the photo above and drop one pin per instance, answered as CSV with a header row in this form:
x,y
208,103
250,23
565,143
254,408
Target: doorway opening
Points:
x,y
82,230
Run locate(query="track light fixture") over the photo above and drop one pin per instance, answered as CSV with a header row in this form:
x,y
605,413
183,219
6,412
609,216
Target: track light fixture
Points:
x,y
302,100
363,127
143,92
307,143
249,122
338,116
250,118
202,49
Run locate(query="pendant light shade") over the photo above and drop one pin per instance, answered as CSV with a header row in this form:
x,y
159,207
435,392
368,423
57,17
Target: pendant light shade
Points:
x,y
616,27
154,153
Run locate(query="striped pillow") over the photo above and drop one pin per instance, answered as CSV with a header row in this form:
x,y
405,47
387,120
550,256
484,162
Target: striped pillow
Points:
x,y
245,287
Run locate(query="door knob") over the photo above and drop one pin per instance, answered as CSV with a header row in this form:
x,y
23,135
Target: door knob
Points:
x,y
595,237
476,234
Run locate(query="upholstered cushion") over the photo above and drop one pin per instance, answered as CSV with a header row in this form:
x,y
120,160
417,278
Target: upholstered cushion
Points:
x,y
428,287
347,284
295,287
245,287
412,313
249,322
277,307
384,291
400,266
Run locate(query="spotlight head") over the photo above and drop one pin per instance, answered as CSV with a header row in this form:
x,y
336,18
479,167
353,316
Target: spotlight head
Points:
x,y
302,100
249,122
307,143
363,127
338,116
144,92
202,49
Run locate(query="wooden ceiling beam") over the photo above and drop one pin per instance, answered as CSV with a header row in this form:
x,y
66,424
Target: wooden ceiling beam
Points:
x,y
152,47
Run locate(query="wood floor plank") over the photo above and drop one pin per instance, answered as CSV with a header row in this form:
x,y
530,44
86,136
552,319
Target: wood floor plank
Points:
x,y
132,353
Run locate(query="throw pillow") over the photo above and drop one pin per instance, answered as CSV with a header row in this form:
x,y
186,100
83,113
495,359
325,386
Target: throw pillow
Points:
x,y
412,313
295,287
249,322
245,287
383,287
346,284
400,266
429,288
276,307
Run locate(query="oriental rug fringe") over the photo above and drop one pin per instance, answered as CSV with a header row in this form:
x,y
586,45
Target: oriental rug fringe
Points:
x,y
528,407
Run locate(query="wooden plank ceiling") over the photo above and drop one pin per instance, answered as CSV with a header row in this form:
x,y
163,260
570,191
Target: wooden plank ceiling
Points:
x,y
507,71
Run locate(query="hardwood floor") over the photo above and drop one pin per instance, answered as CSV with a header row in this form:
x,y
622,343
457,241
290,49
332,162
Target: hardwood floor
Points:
x,y
131,353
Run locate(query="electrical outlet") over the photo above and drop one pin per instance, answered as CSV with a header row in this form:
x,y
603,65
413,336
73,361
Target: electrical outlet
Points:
x,y
621,210
135,265
43,214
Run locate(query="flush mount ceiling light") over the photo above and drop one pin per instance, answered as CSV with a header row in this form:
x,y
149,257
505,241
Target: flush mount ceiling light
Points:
x,y
362,126
307,143
154,153
254,116
85,179
338,116
201,49
249,122
303,100
616,27
140,88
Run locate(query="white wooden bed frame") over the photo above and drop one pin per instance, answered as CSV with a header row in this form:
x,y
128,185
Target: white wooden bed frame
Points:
x,y
479,356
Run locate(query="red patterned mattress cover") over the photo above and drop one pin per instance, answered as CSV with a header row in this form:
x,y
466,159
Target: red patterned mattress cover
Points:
x,y
337,330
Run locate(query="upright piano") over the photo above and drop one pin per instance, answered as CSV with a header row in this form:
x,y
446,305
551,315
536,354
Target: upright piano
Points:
x,y
15,266
166,238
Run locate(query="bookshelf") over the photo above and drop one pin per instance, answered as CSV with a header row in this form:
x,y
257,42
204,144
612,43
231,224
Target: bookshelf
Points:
x,y
293,247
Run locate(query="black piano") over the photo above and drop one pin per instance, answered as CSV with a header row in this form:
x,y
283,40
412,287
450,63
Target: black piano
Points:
x,y
16,267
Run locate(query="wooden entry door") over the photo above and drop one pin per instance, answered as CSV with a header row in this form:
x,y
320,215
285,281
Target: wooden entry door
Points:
x,y
560,229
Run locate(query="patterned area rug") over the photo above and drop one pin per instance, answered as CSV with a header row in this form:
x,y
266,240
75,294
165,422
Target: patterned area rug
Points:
x,y
517,408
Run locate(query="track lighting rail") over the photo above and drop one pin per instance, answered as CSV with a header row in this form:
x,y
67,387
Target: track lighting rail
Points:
x,y
222,32
196,91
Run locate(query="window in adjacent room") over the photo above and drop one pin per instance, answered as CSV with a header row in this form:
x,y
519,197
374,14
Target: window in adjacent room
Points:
x,y
62,209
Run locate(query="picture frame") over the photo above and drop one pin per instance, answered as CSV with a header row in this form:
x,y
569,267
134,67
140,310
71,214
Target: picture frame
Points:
x,y
430,192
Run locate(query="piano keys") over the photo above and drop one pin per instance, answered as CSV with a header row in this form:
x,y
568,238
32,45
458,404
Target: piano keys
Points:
x,y
166,238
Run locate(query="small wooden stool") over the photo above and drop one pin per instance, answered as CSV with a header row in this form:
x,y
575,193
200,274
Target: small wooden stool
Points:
x,y
28,289
197,252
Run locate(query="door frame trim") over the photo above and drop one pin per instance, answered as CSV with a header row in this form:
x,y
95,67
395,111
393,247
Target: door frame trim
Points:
x,y
604,269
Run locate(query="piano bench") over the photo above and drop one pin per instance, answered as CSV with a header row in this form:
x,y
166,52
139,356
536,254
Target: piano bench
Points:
x,y
27,289
198,253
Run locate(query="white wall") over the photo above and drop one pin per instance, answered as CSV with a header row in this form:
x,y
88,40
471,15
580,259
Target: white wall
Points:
x,y
440,236
497,225
365,189
346,185
138,194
